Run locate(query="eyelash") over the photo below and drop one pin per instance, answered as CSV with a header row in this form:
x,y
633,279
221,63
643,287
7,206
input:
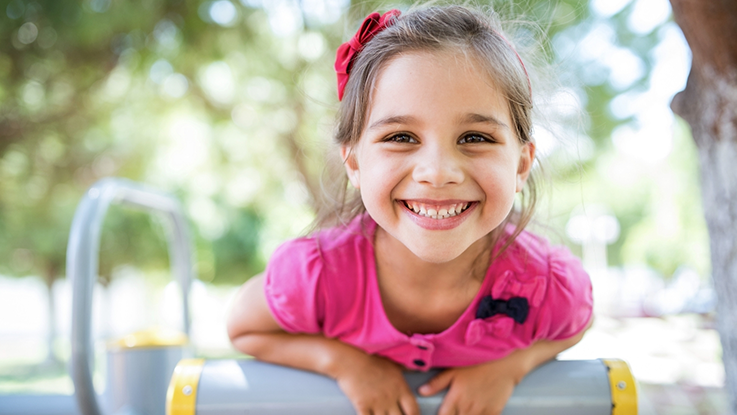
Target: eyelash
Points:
x,y
406,138
484,139
395,138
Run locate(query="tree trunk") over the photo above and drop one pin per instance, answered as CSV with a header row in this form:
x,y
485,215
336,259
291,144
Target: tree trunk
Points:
x,y
709,105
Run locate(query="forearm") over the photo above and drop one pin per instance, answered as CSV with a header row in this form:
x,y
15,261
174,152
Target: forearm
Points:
x,y
315,353
253,330
540,352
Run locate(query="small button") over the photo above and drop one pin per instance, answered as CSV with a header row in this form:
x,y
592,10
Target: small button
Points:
x,y
421,347
419,362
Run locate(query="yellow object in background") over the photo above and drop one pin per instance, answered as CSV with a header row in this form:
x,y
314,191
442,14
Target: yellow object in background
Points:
x,y
154,337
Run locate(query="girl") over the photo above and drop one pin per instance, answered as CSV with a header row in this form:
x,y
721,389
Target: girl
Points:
x,y
433,268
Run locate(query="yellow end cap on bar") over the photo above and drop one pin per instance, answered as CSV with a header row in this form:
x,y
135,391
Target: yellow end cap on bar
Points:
x,y
181,397
623,387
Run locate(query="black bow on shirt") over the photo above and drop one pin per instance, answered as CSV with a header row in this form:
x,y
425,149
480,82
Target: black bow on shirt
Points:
x,y
516,307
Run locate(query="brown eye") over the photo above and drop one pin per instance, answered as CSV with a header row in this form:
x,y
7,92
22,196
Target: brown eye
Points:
x,y
401,138
474,138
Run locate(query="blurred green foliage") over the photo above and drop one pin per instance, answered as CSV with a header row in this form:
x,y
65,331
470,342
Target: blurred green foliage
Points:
x,y
230,105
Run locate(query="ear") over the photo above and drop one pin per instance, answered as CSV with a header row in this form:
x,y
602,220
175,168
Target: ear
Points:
x,y
526,159
347,154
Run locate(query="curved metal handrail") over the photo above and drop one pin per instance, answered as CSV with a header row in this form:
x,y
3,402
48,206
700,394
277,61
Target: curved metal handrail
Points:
x,y
82,267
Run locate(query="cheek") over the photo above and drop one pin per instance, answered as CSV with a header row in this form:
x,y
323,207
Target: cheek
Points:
x,y
499,185
381,170
376,186
376,180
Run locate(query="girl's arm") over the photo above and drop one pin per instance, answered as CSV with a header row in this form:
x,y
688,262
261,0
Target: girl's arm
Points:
x,y
372,383
542,351
486,388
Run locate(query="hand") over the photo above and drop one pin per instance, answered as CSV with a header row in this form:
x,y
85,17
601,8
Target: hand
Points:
x,y
375,386
480,389
486,388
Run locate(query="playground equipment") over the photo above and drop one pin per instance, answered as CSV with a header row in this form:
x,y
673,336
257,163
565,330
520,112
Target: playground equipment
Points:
x,y
143,377
139,365
230,387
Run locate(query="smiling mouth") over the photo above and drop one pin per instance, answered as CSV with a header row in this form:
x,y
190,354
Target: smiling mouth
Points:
x,y
436,211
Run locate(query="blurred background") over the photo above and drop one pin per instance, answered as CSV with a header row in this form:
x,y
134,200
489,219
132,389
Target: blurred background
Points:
x,y
230,104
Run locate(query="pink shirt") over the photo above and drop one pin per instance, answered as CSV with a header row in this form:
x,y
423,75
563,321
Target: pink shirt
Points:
x,y
326,283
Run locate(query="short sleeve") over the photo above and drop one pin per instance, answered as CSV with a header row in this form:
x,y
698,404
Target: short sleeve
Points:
x,y
568,304
292,286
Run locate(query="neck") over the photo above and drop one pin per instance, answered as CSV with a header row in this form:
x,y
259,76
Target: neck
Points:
x,y
396,264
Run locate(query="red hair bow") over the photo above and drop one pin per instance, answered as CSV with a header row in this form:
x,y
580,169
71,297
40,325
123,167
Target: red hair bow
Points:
x,y
371,25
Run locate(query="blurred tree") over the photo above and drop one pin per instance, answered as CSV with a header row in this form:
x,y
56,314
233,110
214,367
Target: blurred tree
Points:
x,y
54,137
622,63
230,106
709,104
239,241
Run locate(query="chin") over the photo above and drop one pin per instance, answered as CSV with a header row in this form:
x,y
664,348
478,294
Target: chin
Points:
x,y
436,255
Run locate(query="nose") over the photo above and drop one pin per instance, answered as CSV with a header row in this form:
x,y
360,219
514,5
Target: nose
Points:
x,y
438,166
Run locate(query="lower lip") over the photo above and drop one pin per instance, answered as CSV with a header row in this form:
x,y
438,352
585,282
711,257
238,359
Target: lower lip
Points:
x,y
439,224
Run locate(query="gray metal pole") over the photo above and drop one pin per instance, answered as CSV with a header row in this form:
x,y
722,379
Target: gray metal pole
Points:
x,y
234,387
82,267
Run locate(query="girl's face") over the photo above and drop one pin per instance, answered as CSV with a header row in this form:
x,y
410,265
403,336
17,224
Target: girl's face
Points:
x,y
438,163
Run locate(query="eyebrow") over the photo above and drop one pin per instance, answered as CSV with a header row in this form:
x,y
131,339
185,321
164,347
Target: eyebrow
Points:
x,y
474,118
399,119
471,118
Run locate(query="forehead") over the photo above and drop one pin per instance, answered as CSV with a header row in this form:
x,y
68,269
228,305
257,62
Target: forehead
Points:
x,y
450,83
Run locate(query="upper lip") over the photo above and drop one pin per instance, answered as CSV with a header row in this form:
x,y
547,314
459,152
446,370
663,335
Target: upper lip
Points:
x,y
437,202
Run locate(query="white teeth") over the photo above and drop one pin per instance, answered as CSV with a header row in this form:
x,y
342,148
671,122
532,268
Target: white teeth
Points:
x,y
442,213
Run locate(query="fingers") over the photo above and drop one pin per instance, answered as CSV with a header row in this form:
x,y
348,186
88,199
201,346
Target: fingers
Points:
x,y
456,404
378,388
378,411
449,405
404,404
408,404
437,383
